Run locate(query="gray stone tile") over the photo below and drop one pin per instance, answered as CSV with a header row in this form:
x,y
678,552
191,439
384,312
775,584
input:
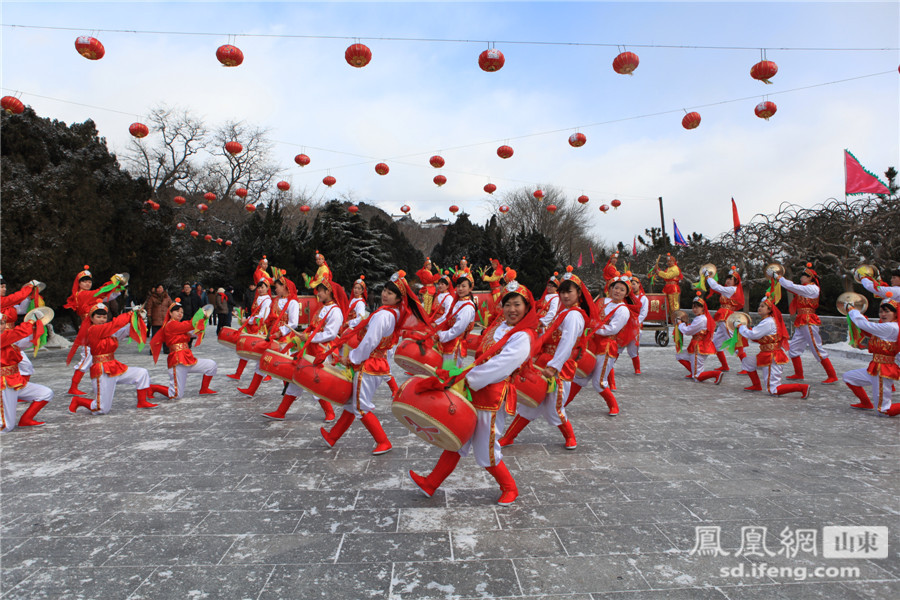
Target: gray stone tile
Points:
x,y
457,579
512,543
406,498
547,515
265,467
168,550
735,509
158,523
348,521
618,539
74,582
64,551
468,520
829,507
293,549
309,499
577,493
60,524
732,488
693,593
394,547
639,490
204,582
220,500
249,521
662,510
328,582
562,575
264,484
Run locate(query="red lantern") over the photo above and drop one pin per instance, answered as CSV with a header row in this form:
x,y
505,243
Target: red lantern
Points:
x,y
219,241
405,209
195,233
604,208
382,169
250,208
691,120
233,148
153,205
504,151
490,188
454,209
763,71
301,159
138,130
305,208
577,140
491,60
358,55
227,242
89,47
439,180
625,63
551,208
240,193
207,237
283,186
436,161
12,105
616,203
229,56
538,194
180,226
583,199
504,209
353,209
764,110
329,180
203,208
209,196
179,200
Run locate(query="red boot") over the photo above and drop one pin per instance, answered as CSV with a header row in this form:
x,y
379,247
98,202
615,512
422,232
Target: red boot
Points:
x,y
240,369
687,365
508,489
382,443
723,362
445,465
611,379
281,411
610,402
574,388
158,389
636,361
342,425
569,434
329,410
717,375
33,409
142,396
864,402
79,401
76,379
392,384
250,390
829,371
893,410
754,379
741,354
204,386
514,429
798,368
788,388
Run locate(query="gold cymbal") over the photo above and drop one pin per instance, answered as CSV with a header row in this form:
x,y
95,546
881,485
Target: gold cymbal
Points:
x,y
858,301
736,319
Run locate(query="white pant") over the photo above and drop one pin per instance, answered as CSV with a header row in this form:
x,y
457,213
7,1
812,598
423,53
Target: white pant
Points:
x,y
30,393
599,376
364,386
26,368
105,387
720,335
296,391
84,365
769,377
697,361
632,349
178,375
552,408
807,335
257,371
485,442
881,387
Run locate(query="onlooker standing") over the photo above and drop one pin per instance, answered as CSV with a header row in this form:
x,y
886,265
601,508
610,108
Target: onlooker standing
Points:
x,y
249,297
221,310
157,305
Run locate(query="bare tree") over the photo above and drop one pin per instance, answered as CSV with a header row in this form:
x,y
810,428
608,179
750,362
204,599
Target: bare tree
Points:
x,y
251,169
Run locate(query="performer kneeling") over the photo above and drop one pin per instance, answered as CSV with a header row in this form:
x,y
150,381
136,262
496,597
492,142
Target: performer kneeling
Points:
x,y
883,372
175,334
15,388
506,345
701,329
772,337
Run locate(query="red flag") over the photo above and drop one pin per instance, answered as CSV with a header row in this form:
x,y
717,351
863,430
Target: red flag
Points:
x,y
735,217
858,180
634,247
579,259
591,250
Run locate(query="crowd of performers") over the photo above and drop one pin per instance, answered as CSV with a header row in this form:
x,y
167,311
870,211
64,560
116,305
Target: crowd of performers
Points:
x,y
533,357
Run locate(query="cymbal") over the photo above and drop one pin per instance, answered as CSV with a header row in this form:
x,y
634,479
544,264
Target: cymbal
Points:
x,y
44,313
736,319
858,301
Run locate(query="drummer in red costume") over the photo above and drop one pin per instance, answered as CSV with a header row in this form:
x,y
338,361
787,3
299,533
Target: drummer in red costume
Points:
x,y
459,321
556,354
506,345
261,270
806,323
428,278
701,329
317,342
180,361
255,322
14,387
27,297
643,304
400,310
357,310
731,299
772,337
444,299
883,372
81,300
548,305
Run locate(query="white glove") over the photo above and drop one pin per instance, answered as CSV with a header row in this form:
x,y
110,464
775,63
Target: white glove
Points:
x,y
35,283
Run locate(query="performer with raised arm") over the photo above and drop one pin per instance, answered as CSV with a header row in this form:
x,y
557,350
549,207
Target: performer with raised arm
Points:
x,y
884,344
880,289
181,361
323,272
496,281
428,278
556,358
672,284
806,323
282,318
731,299
15,387
255,322
506,345
548,305
459,321
700,329
633,346
772,337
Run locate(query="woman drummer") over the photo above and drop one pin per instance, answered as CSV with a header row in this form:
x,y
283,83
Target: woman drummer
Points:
x,y
549,303
255,322
324,328
445,295
460,319
400,310
884,344
701,329
175,334
558,348
357,309
773,340
643,304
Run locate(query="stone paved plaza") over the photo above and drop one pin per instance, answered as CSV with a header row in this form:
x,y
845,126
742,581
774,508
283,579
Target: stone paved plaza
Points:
x,y
204,498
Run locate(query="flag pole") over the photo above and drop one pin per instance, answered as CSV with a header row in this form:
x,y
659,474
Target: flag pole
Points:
x,y
662,222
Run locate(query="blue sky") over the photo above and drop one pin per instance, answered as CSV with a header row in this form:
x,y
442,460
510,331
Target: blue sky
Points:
x,y
420,98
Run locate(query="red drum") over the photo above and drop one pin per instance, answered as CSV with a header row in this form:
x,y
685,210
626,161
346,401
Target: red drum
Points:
x,y
229,337
440,417
329,382
586,363
417,358
531,386
473,343
277,364
252,345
